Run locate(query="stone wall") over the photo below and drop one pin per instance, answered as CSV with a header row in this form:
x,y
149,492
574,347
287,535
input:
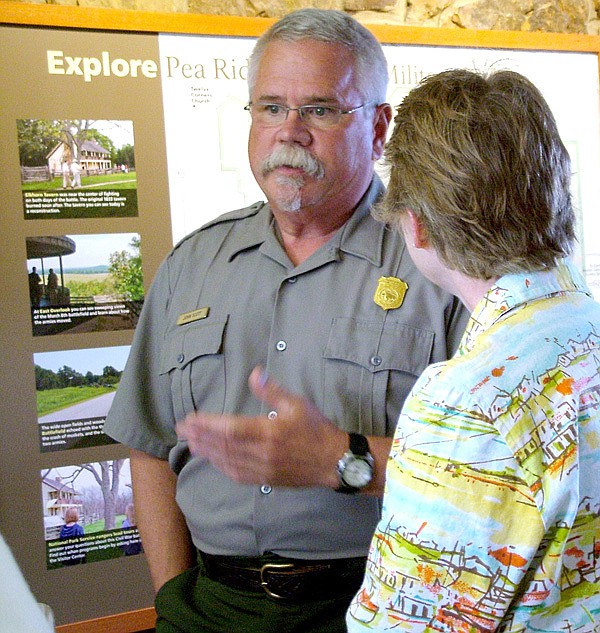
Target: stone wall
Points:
x,y
553,16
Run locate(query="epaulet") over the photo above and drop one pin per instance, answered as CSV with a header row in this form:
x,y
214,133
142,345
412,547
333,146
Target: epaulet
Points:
x,y
230,216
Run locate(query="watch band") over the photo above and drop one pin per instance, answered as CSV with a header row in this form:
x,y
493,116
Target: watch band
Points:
x,y
358,444
358,452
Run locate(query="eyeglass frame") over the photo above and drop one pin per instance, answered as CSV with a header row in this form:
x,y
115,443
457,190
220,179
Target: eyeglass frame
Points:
x,y
302,108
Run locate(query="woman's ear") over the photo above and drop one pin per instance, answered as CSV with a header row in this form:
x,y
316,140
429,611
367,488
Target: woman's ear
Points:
x,y
416,230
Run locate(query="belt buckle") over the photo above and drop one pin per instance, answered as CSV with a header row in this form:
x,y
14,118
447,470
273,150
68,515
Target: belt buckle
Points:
x,y
264,581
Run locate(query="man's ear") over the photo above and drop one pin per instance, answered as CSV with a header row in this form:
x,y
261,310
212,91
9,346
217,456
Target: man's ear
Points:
x,y
417,231
381,124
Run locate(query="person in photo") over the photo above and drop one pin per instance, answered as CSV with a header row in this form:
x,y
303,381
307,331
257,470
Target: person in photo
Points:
x,y
36,288
72,530
75,175
52,287
66,171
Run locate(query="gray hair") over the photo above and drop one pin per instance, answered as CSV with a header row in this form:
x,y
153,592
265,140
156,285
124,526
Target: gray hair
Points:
x,y
334,27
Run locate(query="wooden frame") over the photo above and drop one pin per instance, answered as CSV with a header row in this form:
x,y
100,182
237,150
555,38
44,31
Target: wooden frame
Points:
x,y
130,622
154,22
79,18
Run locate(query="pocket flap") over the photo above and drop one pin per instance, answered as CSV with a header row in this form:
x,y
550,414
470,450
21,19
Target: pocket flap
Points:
x,y
380,346
191,341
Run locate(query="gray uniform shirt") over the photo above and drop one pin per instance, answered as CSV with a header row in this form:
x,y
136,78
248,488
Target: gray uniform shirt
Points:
x,y
317,330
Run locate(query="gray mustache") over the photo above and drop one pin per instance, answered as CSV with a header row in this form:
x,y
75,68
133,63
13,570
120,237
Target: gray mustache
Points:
x,y
296,157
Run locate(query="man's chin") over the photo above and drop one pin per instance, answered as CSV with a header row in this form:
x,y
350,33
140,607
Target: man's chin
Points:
x,y
288,194
288,204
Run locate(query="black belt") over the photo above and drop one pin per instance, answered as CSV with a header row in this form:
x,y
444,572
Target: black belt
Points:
x,y
287,578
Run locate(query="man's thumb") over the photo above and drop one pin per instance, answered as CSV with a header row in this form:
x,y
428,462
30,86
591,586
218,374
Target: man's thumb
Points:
x,y
264,388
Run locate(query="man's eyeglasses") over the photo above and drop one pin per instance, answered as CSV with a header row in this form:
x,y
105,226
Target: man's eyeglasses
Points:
x,y
316,116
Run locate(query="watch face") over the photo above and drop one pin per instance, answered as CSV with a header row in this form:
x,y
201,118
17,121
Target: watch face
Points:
x,y
357,473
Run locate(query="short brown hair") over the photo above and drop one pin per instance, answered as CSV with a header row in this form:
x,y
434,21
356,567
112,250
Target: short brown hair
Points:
x,y
478,158
71,515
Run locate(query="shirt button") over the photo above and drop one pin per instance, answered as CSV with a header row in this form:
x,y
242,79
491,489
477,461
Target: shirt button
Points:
x,y
292,280
265,489
180,358
281,345
272,415
375,361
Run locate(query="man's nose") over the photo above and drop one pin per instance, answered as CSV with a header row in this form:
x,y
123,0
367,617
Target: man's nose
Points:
x,y
294,129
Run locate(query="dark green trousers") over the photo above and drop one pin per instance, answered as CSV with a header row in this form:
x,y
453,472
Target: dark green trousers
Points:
x,y
191,603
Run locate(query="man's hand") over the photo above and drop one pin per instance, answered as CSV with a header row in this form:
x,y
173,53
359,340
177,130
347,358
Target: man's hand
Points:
x,y
295,445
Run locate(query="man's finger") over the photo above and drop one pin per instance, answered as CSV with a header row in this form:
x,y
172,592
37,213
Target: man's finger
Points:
x,y
266,389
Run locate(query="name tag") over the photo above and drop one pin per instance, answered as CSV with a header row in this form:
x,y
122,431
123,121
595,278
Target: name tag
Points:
x,y
194,315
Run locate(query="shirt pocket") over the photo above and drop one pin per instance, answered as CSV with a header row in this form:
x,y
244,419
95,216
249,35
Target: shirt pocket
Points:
x,y
369,369
194,362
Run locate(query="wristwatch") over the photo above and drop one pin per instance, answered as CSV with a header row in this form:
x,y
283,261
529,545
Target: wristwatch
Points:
x,y
355,468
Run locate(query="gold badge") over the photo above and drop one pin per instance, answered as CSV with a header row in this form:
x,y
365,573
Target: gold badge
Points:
x,y
194,315
390,292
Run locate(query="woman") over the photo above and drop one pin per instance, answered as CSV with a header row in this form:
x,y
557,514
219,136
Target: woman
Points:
x,y
491,510
72,530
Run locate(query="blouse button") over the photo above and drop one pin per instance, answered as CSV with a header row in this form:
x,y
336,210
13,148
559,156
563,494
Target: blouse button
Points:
x,y
272,415
180,358
281,345
265,489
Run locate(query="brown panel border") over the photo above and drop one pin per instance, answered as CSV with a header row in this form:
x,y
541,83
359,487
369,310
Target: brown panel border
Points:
x,y
156,22
129,622
129,20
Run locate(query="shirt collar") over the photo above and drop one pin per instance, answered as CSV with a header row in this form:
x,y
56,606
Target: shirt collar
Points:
x,y
514,291
362,235
357,237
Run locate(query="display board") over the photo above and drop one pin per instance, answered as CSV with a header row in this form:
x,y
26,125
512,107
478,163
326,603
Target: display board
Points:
x,y
120,133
